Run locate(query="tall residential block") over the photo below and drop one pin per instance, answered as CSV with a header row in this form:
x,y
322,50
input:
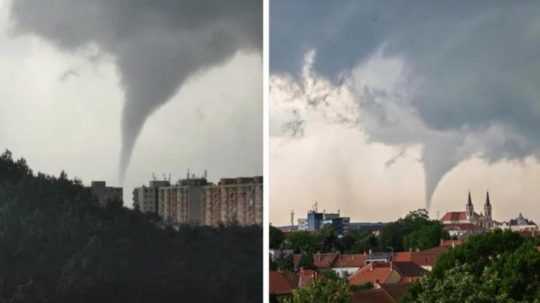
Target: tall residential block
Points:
x,y
234,200
196,201
145,198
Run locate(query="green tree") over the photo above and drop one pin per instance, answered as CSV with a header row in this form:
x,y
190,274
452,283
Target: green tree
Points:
x,y
58,245
416,230
484,269
426,236
306,261
322,290
328,239
276,237
302,242
284,263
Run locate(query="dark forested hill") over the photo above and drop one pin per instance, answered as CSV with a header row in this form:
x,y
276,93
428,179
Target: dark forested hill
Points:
x,y
57,245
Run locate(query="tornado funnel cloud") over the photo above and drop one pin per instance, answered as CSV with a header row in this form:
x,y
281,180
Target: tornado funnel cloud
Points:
x,y
156,46
132,125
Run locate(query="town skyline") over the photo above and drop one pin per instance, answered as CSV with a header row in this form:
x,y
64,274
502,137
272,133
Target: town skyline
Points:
x,y
478,201
411,113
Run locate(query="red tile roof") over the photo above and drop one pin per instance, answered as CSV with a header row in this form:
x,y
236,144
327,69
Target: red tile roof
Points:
x,y
402,256
426,257
454,216
374,273
281,283
352,260
322,261
409,271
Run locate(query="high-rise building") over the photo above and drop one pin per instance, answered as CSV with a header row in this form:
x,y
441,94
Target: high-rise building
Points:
x,y
196,201
237,200
145,198
183,202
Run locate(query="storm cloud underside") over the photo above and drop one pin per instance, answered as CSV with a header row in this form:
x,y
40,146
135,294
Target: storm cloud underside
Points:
x,y
457,78
156,46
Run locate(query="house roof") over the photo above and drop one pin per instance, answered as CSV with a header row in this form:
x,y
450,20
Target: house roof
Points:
x,y
324,260
375,295
402,256
281,283
426,257
409,270
396,291
454,216
374,273
379,256
350,260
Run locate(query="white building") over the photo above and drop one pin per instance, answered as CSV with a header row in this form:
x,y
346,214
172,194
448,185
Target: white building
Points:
x,y
520,224
145,198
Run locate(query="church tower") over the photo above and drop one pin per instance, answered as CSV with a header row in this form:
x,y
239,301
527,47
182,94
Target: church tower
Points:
x,y
487,211
469,208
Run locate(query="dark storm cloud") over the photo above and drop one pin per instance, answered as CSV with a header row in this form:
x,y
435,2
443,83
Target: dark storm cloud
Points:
x,y
474,66
156,45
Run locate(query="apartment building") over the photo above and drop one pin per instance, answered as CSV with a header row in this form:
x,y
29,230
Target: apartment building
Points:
x,y
196,201
236,200
145,198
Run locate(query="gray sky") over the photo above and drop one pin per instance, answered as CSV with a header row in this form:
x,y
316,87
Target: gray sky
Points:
x,y
72,82
381,107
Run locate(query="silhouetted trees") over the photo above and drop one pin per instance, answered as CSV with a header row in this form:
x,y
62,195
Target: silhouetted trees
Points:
x,y
58,245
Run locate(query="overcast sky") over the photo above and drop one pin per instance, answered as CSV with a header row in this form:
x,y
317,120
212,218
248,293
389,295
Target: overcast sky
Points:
x,y
382,107
83,81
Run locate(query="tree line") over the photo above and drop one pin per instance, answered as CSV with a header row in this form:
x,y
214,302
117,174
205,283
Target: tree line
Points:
x,y
416,231
58,245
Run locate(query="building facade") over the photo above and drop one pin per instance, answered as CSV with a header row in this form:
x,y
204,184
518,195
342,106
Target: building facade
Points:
x,y
183,202
316,220
235,200
469,216
520,224
145,198
197,201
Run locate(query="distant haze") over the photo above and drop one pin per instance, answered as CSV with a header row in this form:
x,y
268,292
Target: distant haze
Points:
x,y
83,82
414,103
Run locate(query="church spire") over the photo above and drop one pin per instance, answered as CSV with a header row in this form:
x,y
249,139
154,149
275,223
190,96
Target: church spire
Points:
x,y
469,208
487,212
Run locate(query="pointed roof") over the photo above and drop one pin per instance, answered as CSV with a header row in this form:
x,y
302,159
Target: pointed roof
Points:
x,y
469,200
487,199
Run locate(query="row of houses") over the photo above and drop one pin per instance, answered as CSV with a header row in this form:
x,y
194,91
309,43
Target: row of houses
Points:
x,y
389,273
195,200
